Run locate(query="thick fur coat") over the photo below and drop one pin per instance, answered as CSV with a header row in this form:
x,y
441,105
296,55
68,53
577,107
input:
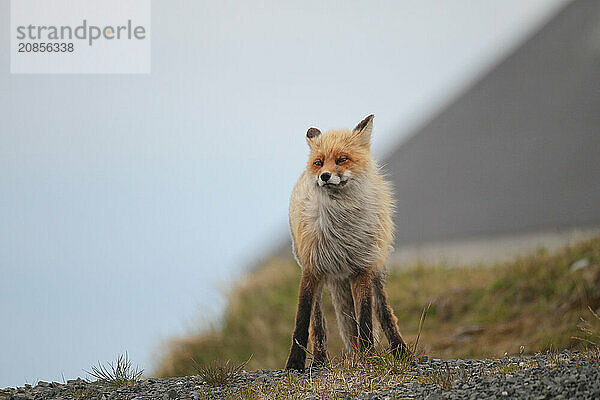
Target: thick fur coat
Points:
x,y
342,231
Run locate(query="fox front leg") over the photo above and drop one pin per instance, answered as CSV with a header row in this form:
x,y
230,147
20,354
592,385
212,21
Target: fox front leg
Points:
x,y
387,319
318,330
362,290
306,297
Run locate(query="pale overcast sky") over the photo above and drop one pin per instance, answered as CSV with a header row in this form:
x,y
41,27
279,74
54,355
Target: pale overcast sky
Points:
x,y
128,203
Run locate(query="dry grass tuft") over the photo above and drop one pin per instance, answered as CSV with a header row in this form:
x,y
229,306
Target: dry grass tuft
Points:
x,y
119,373
219,373
592,336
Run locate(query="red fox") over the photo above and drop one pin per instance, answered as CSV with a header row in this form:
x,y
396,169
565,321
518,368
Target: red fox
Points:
x,y
342,230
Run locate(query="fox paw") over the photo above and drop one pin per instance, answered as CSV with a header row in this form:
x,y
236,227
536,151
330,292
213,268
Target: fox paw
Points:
x,y
318,362
295,365
400,350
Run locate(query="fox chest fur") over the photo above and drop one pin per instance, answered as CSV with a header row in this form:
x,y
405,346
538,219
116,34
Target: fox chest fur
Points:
x,y
339,234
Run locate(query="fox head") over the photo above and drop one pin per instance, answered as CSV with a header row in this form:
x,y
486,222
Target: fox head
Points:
x,y
339,156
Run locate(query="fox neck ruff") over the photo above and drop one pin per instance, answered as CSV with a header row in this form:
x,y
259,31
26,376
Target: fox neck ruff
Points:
x,y
346,225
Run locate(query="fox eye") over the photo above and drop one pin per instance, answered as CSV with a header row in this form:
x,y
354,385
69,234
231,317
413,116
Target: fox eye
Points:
x,y
318,163
341,160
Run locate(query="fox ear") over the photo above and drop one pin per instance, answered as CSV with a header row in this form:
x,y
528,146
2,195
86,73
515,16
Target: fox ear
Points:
x,y
363,130
311,134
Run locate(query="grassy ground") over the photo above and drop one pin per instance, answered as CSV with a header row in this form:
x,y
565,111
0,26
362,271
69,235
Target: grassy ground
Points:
x,y
485,311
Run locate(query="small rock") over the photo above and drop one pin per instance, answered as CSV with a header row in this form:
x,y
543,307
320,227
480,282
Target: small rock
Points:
x,y
23,396
579,264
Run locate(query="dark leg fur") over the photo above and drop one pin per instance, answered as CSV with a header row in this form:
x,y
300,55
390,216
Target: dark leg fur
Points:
x,y
306,295
318,330
387,319
362,289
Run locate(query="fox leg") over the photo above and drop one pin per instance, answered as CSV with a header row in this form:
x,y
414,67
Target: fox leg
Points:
x,y
387,319
343,304
308,285
362,290
318,330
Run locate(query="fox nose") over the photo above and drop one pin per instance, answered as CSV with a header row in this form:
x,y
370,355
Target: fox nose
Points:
x,y
325,176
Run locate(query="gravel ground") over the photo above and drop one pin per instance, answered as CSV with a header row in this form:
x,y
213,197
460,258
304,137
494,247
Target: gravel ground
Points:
x,y
564,376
